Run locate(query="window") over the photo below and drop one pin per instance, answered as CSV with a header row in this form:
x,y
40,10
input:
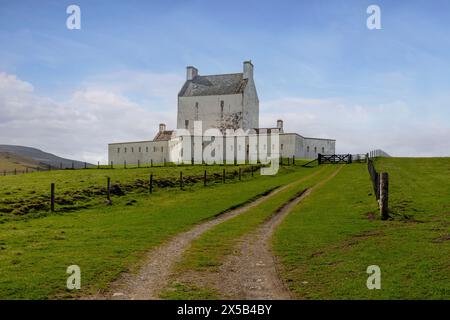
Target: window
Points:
x,y
154,149
315,149
281,146
139,149
323,150
125,150
186,124
307,149
162,149
146,149
118,150
132,149
222,103
196,111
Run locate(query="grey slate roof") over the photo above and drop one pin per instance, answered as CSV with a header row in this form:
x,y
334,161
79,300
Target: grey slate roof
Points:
x,y
214,85
163,136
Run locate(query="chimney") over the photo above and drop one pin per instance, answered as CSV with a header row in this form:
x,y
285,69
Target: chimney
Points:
x,y
280,125
248,70
162,127
191,72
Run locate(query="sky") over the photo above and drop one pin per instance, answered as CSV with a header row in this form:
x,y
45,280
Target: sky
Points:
x,y
317,66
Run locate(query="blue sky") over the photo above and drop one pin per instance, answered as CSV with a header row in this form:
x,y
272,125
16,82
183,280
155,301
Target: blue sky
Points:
x,y
315,63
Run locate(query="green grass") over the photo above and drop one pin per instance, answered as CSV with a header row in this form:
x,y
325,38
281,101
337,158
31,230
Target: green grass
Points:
x,y
327,242
106,240
28,196
208,251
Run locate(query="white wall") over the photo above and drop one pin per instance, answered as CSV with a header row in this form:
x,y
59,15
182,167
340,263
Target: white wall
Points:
x,y
149,150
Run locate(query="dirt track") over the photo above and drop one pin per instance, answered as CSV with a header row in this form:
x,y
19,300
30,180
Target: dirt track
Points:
x,y
252,273
154,274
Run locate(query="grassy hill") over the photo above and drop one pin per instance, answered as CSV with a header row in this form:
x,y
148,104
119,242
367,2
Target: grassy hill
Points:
x,y
324,246
20,158
10,162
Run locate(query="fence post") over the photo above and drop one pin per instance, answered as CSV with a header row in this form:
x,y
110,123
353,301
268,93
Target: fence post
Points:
x,y
181,180
52,197
319,159
223,176
384,195
139,164
240,173
204,179
124,164
289,161
108,188
151,184
112,165
293,160
151,162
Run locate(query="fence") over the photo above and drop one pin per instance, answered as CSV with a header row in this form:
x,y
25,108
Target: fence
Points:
x,y
124,165
380,182
334,158
206,178
378,153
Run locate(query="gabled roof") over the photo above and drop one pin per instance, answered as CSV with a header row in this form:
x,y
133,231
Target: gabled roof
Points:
x,y
163,135
214,85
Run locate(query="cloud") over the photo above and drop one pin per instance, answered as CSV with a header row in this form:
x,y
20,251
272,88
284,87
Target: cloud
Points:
x,y
128,106
81,126
394,127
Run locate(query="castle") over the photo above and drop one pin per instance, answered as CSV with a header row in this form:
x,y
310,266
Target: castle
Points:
x,y
222,102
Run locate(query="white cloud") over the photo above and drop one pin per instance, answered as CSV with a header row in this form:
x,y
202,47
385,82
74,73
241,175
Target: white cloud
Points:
x,y
128,106
83,125
393,127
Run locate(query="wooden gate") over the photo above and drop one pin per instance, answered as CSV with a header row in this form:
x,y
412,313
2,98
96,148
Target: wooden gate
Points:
x,y
334,158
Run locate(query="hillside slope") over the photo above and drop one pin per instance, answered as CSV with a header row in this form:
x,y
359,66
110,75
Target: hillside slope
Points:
x,y
20,157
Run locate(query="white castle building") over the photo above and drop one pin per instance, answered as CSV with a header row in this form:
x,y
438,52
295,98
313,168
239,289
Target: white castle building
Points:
x,y
222,102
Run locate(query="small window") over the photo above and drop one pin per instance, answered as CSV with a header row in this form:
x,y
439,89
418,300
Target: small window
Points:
x,y
307,149
154,149
146,149
139,149
118,150
281,146
315,149
162,149
125,150
323,150
186,124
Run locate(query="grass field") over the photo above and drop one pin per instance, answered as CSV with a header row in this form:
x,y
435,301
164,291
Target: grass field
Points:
x,y
106,240
28,196
328,241
324,245
207,252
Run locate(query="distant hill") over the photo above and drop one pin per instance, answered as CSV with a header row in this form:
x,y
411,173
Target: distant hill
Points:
x,y
20,158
